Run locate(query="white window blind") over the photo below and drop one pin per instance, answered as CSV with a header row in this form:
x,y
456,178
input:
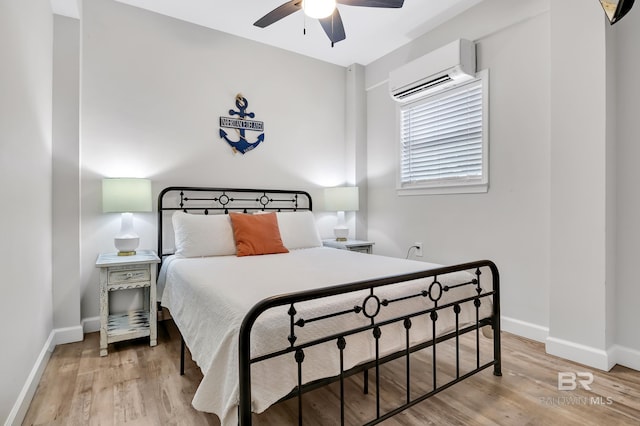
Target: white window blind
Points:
x,y
442,139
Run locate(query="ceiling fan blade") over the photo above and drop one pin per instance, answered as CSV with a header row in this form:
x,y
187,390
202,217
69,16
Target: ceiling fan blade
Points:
x,y
373,3
278,13
332,25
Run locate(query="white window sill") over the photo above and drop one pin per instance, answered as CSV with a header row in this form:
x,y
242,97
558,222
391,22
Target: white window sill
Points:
x,y
444,189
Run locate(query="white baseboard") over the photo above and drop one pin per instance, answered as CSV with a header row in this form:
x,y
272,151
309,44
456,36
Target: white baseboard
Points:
x,y
626,357
583,354
90,325
524,329
68,335
19,410
596,358
58,336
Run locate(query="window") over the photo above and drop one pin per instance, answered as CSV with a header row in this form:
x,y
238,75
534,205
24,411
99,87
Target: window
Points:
x,y
444,141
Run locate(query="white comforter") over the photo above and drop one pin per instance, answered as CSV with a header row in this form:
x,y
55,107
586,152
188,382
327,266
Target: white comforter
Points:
x,y
209,297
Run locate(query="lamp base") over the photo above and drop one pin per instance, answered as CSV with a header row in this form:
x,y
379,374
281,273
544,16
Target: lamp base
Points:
x,y
126,245
341,233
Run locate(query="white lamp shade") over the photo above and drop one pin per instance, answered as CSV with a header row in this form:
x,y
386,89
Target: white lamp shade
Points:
x,y
130,195
318,8
342,198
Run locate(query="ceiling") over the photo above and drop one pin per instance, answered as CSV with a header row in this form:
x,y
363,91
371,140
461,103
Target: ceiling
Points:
x,y
371,32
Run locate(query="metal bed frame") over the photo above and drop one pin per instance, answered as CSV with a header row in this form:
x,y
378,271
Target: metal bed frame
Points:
x,y
224,200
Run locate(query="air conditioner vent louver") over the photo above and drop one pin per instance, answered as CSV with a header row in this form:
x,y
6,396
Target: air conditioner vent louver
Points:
x,y
444,67
421,88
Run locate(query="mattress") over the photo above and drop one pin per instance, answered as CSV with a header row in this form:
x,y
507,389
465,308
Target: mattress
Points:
x,y
208,298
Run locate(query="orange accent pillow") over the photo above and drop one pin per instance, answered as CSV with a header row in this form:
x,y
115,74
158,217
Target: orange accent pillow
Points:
x,y
256,234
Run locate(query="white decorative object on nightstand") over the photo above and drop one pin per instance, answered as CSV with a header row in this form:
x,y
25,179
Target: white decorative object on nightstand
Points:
x,y
124,273
352,245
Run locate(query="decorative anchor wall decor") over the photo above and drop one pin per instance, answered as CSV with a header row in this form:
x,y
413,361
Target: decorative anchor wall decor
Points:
x,y
241,125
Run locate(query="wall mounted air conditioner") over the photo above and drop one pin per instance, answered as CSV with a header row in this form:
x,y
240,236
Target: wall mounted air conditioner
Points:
x,y
445,67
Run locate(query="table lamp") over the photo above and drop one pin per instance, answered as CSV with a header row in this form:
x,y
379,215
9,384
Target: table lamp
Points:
x,y
126,196
341,199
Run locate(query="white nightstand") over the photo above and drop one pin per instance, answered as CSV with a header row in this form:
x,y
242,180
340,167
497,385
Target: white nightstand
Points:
x,y
124,273
352,245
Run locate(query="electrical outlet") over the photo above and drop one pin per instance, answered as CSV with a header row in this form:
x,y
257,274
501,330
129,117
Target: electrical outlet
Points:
x,y
418,249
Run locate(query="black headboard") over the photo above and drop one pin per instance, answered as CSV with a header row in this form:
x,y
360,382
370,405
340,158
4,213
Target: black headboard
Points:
x,y
203,200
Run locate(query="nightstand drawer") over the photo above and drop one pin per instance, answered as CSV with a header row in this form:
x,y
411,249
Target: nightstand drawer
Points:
x,y
361,249
351,245
128,276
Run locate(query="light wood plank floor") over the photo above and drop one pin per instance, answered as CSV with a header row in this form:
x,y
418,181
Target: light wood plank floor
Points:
x,y
140,385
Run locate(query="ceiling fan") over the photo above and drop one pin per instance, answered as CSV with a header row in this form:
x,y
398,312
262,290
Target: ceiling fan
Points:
x,y
325,11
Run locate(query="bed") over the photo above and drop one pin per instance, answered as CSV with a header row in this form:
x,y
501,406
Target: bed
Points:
x,y
264,328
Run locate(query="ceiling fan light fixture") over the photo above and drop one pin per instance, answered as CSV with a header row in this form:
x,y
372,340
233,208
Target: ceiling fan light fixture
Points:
x,y
318,8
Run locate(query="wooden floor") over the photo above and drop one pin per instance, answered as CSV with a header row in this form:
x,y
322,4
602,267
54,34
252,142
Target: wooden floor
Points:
x,y
139,385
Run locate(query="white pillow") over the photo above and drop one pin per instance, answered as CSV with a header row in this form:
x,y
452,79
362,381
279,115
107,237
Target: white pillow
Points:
x,y
198,235
298,230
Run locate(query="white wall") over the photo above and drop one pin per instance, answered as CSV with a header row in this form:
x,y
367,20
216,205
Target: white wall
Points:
x,y
560,217
66,176
154,87
26,34
510,223
356,144
627,34
579,213
152,91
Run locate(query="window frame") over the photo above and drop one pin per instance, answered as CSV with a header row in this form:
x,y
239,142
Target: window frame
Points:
x,y
447,186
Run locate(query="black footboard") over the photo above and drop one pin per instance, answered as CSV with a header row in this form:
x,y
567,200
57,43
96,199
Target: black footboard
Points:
x,y
375,303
